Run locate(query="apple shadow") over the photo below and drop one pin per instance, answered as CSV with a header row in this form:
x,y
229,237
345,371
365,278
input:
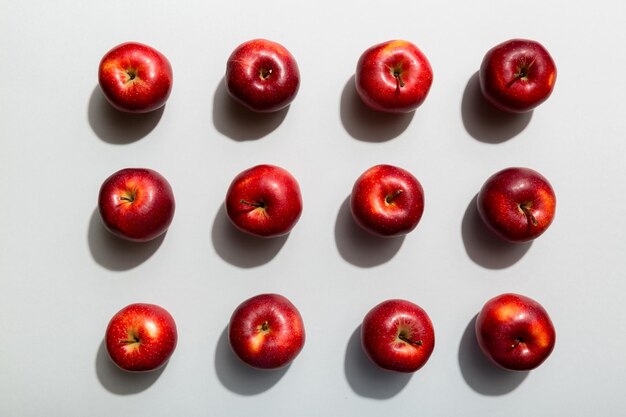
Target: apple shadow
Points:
x,y
368,125
366,378
120,382
114,253
237,122
479,372
118,127
486,123
485,248
239,377
359,247
239,248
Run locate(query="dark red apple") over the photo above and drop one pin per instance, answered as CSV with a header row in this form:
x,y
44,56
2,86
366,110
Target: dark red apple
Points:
x,y
262,75
387,201
136,204
266,331
135,78
398,335
515,332
517,204
517,75
393,76
141,337
264,201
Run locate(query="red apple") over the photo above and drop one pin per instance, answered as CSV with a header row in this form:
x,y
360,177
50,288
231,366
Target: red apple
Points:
x,y
266,331
387,201
517,75
393,76
262,75
136,204
517,204
141,337
515,332
398,335
135,78
264,201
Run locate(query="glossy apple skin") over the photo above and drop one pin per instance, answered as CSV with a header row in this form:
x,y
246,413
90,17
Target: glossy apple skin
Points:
x,y
262,75
510,200
515,332
264,201
266,331
398,335
377,83
141,337
135,78
136,204
517,75
387,201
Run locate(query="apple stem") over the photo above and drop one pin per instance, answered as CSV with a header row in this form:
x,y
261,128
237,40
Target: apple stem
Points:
x,y
516,343
522,72
253,203
390,197
129,196
410,341
528,214
132,74
398,78
265,326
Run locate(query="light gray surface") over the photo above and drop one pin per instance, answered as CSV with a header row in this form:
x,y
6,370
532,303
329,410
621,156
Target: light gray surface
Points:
x,y
62,277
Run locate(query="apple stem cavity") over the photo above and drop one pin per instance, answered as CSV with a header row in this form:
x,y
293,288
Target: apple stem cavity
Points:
x,y
129,196
398,77
526,210
522,72
264,328
265,73
409,341
390,197
517,342
259,204
132,74
130,340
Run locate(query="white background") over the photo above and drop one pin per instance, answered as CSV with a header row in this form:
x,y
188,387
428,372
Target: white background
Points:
x,y
62,276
